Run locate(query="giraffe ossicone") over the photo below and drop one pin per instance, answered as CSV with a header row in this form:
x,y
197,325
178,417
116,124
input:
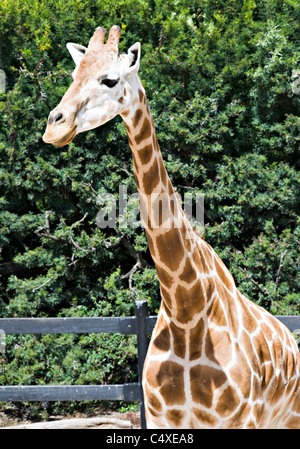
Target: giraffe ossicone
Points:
x,y
216,359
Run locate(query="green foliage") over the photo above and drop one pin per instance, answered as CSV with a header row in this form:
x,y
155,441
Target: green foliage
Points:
x,y
69,359
218,77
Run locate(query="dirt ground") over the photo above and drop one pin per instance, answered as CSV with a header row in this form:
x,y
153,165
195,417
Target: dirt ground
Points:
x,y
110,420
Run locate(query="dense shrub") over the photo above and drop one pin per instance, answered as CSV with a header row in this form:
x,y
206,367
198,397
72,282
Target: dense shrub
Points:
x,y
220,77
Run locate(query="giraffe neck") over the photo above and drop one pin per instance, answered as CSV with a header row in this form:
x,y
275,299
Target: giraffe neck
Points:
x,y
184,262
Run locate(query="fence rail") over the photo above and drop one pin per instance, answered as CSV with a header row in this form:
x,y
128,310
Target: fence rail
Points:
x,y
122,325
141,325
105,325
125,392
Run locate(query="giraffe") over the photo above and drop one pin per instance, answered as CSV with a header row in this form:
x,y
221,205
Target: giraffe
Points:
x,y
215,359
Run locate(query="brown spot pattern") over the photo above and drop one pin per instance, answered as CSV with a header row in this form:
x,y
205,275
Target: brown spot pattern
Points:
x,y
161,211
179,340
170,188
163,172
228,401
153,412
246,344
188,274
145,154
164,277
275,394
162,341
204,381
141,96
230,309
151,178
261,348
200,261
152,372
189,302
241,373
216,313
223,273
209,287
144,133
153,400
289,364
166,297
218,347
155,143
196,340
125,114
293,422
171,381
137,117
170,249
249,323
175,417
205,418
237,421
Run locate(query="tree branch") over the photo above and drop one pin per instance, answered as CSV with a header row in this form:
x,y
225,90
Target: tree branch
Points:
x,y
279,270
72,240
135,254
249,276
69,241
129,275
42,285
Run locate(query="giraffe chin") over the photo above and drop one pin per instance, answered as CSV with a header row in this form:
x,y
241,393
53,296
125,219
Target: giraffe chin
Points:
x,y
66,139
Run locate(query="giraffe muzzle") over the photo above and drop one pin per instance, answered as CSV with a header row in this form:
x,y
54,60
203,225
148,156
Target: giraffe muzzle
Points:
x,y
66,138
61,129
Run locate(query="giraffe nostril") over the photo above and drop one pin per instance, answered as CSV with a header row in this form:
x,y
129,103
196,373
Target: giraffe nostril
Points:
x,y
55,118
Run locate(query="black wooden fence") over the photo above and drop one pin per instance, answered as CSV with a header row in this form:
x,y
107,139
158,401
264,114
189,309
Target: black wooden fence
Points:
x,y
141,325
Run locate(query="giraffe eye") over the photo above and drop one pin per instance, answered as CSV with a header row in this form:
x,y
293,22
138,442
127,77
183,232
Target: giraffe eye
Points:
x,y
109,82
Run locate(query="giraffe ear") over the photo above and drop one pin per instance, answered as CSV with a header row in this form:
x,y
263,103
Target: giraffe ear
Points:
x,y
76,51
134,56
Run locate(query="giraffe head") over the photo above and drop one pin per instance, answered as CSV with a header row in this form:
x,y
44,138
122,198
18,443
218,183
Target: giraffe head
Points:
x,y
102,87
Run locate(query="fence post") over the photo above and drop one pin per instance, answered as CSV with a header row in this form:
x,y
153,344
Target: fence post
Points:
x,y
142,341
